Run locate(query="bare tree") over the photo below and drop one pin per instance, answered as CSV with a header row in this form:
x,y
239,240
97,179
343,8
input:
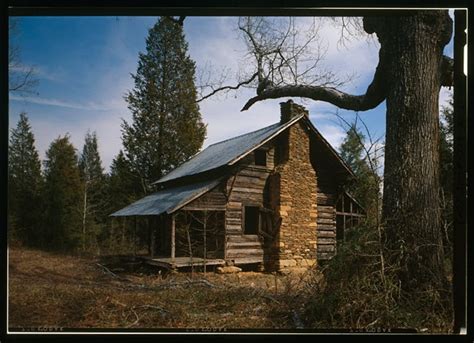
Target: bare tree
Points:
x,y
20,77
410,71
284,52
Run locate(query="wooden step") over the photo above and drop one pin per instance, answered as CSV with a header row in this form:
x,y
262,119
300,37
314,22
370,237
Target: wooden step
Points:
x,y
247,260
242,238
244,253
244,245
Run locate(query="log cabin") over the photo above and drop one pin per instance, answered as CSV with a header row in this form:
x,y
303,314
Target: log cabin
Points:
x,y
273,197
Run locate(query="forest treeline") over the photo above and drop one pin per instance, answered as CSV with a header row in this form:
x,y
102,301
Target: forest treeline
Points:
x,y
63,203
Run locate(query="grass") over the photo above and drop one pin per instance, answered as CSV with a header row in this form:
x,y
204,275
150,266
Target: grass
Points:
x,y
48,290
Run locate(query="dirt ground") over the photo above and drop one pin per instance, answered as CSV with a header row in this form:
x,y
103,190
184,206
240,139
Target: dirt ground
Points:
x,y
56,292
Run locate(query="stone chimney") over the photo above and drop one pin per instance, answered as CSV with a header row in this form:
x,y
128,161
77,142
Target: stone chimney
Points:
x,y
289,110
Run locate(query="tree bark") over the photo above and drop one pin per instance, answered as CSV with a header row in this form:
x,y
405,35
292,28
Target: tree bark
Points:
x,y
411,206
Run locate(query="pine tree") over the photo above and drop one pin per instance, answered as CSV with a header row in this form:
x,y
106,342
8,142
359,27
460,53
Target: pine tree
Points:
x,y
123,185
93,182
24,183
62,197
166,126
365,186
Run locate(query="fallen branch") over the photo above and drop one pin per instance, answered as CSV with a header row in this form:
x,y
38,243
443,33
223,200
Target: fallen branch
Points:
x,y
270,298
109,272
137,319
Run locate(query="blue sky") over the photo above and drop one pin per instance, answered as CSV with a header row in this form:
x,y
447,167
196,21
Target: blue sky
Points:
x,y
83,65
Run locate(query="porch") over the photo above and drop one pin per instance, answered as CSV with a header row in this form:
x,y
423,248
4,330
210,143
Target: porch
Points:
x,y
182,262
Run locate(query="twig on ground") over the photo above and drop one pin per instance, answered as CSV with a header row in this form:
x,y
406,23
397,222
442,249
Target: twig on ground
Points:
x,y
137,319
175,284
109,272
270,298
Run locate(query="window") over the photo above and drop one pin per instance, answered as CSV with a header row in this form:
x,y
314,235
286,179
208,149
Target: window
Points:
x,y
348,215
260,157
251,220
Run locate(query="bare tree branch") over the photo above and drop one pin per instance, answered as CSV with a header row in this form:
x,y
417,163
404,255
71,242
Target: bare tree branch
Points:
x,y
223,88
20,77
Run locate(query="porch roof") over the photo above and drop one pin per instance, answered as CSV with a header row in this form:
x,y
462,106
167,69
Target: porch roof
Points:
x,y
167,200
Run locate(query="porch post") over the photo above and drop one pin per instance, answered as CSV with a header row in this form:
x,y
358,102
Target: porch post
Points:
x,y
173,234
135,237
152,236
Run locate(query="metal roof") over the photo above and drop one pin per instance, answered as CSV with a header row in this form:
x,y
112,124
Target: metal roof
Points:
x,y
167,200
227,152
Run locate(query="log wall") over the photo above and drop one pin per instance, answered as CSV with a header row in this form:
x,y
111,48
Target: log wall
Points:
x,y
245,188
326,231
214,200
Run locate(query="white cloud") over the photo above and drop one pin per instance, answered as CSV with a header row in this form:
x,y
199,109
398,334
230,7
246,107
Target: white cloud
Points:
x,y
87,106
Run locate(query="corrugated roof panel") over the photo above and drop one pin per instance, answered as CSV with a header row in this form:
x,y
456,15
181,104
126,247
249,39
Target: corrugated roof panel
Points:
x,y
166,200
222,153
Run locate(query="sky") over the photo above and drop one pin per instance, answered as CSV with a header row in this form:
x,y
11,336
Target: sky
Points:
x,y
83,65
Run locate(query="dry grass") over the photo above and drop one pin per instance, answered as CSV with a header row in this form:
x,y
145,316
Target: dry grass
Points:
x,y
47,290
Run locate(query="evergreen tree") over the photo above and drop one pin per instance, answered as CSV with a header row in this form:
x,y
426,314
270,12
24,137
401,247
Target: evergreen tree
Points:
x,y
93,180
24,183
62,197
123,187
122,183
166,126
365,187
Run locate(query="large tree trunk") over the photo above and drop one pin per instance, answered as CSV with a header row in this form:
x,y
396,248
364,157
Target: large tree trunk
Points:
x,y
411,205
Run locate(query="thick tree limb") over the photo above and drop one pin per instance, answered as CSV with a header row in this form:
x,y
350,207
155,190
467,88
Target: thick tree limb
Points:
x,y
375,94
327,94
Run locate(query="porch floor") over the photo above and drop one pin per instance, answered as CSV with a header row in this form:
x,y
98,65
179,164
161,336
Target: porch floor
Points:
x,y
180,262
